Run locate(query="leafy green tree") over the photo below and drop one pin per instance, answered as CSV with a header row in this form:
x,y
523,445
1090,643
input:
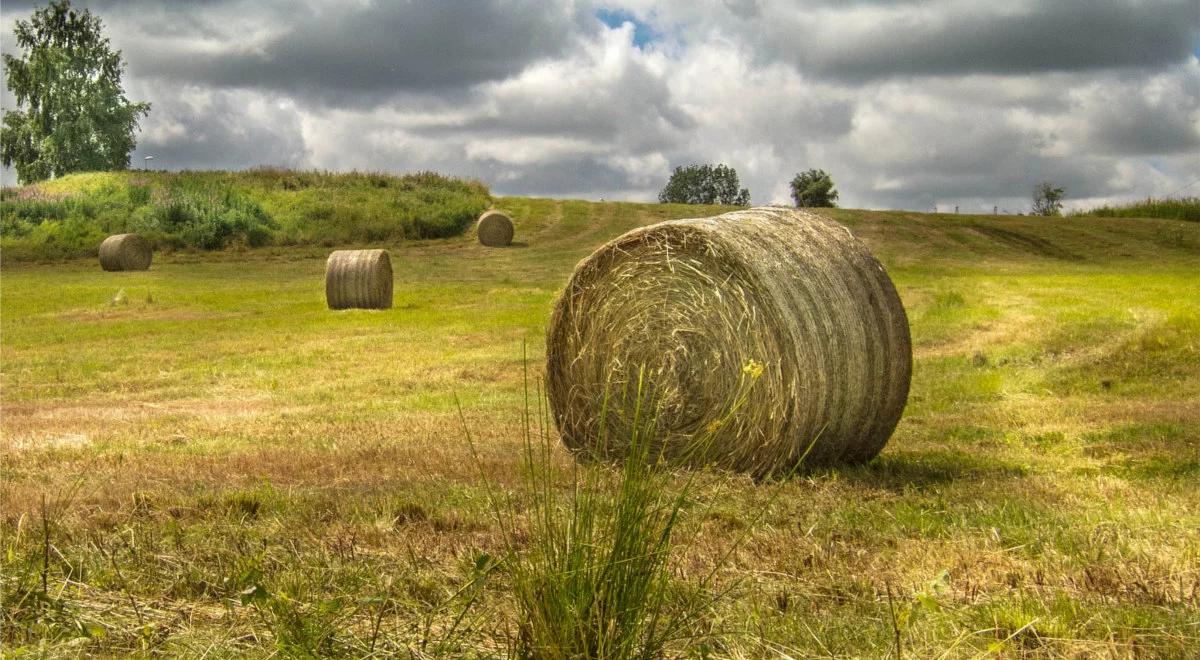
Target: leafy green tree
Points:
x,y
704,184
1047,200
72,112
814,188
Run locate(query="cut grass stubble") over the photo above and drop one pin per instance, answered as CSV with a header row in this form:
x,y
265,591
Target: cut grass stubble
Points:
x,y
262,490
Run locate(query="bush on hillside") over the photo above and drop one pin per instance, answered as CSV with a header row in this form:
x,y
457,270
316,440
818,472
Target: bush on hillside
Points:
x,y
197,216
35,224
69,217
40,225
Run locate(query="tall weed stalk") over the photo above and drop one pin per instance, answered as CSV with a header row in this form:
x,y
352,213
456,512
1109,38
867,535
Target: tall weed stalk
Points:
x,y
588,551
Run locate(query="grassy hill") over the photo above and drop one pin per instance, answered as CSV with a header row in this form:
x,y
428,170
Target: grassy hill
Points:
x,y
1174,208
203,458
68,217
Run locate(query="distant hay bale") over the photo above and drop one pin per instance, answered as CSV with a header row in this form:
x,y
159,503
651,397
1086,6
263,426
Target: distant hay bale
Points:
x,y
358,279
495,229
757,334
125,252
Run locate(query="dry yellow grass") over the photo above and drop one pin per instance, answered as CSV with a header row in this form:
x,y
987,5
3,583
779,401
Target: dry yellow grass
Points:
x,y
279,479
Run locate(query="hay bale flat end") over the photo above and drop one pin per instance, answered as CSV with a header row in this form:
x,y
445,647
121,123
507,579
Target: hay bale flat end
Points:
x,y
495,229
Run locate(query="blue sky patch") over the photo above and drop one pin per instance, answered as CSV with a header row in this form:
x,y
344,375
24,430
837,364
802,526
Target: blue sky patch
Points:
x,y
642,33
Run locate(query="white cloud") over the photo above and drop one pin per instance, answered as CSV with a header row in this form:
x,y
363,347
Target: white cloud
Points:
x,y
906,104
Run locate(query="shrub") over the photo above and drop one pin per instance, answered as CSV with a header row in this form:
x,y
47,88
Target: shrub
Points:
x,y
813,188
1047,200
211,210
704,184
208,217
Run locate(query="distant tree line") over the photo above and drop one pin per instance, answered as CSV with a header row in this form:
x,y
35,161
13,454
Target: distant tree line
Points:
x,y
719,184
813,188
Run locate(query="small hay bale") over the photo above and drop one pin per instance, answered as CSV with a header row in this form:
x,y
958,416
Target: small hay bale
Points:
x,y
495,229
125,252
756,334
358,279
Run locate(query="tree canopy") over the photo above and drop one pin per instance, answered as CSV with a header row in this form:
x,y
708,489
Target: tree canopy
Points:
x,y
1047,200
72,111
814,188
704,184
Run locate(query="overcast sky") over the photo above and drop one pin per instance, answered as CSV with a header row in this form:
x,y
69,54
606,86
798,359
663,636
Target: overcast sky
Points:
x,y
906,104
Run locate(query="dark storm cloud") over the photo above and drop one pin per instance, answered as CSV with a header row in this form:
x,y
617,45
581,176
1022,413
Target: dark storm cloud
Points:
x,y
1133,125
631,106
1006,182
998,38
351,53
340,53
559,178
197,128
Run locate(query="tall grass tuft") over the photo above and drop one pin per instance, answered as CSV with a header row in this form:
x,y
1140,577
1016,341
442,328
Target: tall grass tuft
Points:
x,y
588,551
1181,208
594,581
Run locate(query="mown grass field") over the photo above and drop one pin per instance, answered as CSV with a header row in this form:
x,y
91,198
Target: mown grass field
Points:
x,y
203,460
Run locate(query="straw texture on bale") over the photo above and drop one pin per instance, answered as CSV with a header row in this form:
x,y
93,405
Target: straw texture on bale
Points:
x,y
358,279
495,229
757,336
125,252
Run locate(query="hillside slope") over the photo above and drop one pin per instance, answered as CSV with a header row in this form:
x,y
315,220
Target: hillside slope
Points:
x,y
896,237
68,217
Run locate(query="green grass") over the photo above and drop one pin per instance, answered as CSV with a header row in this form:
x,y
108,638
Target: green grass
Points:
x,y
592,578
230,468
69,217
1178,208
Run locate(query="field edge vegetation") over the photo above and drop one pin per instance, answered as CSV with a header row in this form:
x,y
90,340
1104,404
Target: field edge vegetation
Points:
x,y
69,217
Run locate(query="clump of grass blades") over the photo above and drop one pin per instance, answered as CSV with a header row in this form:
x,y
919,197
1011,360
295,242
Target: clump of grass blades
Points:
x,y
594,583
589,563
1181,208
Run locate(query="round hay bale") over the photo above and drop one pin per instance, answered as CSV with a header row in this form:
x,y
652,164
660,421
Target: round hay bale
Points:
x,y
750,340
495,229
358,279
125,252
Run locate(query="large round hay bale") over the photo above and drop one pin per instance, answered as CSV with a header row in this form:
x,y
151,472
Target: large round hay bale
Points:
x,y
761,337
495,229
125,252
358,279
